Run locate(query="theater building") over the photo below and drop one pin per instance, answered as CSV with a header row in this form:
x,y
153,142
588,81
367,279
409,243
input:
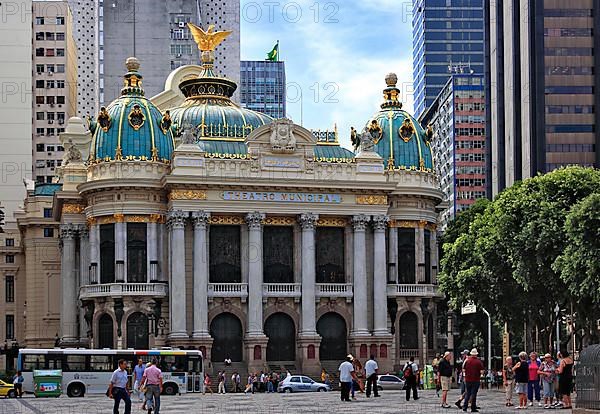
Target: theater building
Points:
x,y
215,227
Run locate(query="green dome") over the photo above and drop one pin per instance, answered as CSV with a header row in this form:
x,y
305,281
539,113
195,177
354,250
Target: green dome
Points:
x,y
131,127
209,110
403,144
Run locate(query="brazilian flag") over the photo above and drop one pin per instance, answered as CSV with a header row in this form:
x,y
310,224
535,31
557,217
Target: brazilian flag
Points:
x,y
273,55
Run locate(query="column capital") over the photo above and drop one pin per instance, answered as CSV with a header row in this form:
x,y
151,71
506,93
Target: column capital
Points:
x,y
360,221
254,220
380,222
308,220
200,219
84,232
176,218
68,231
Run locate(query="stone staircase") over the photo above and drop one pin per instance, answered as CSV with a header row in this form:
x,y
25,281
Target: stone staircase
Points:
x,y
239,367
331,367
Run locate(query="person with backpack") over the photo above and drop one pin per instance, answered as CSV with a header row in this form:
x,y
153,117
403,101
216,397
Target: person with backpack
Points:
x,y
411,371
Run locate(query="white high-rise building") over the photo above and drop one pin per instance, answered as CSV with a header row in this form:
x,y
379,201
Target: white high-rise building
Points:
x,y
15,103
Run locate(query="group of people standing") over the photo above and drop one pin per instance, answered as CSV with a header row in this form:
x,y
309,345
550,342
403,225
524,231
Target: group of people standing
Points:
x,y
352,373
263,382
526,375
147,384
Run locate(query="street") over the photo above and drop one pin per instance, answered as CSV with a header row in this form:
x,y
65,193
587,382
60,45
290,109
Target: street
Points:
x,y
490,401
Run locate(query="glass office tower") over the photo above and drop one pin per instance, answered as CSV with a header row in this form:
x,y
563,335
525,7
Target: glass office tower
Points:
x,y
263,86
447,38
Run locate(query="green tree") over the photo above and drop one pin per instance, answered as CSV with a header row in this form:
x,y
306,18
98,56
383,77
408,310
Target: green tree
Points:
x,y
504,261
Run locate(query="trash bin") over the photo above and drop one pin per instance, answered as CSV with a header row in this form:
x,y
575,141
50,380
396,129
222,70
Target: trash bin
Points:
x,y
47,383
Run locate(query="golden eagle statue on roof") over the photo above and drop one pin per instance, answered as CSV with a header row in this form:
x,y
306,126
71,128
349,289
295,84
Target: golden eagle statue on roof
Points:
x,y
208,40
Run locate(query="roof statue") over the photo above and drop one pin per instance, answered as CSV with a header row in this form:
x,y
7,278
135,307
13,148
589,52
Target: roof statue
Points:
x,y
208,40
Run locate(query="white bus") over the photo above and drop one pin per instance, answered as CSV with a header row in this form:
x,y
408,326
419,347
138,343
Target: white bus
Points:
x,y
88,371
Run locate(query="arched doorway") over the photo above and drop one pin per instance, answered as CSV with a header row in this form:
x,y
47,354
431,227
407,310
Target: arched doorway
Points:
x,y
409,331
137,331
281,331
226,331
105,331
332,329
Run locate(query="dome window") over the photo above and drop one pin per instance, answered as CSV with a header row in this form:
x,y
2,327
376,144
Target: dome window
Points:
x,y
136,117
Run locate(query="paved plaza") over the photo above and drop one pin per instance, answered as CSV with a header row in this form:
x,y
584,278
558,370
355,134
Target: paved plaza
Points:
x,y
390,402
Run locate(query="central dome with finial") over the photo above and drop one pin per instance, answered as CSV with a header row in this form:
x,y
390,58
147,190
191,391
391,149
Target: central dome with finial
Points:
x,y
208,107
131,128
403,143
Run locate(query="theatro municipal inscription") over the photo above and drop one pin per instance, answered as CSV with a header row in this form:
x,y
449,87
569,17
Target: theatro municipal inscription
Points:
x,y
281,197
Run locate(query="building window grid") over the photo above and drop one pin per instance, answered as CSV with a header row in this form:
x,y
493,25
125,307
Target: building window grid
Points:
x,y
9,289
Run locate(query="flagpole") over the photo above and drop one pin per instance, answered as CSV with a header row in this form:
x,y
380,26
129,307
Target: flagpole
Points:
x,y
278,51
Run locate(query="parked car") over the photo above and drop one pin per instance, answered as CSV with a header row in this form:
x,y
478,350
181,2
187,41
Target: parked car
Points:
x,y
389,382
301,383
7,390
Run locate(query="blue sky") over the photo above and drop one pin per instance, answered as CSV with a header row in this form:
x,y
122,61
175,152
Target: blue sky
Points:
x,y
336,53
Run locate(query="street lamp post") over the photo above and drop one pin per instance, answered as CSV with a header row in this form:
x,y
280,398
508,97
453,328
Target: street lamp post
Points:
x,y
557,311
489,347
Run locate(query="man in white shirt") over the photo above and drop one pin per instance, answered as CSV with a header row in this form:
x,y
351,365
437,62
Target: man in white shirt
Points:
x,y
346,375
371,369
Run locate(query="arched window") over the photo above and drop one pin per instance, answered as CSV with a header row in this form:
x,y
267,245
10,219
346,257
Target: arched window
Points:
x,y
310,352
257,352
225,254
330,255
363,351
409,331
107,253
373,350
137,331
136,253
105,331
278,254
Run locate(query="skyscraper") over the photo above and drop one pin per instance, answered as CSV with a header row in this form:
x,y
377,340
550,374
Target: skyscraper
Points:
x,y
262,87
457,119
447,35
156,32
543,86
55,84
15,105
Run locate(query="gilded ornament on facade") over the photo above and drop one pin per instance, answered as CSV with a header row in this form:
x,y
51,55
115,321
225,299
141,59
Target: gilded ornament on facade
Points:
x,y
136,117
103,119
157,218
207,40
232,220
332,221
407,224
279,221
119,218
187,195
73,208
407,130
90,221
372,199
166,122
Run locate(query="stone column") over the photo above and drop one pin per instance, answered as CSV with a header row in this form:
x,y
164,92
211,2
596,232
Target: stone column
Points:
x,y
307,222
360,276
434,256
420,254
152,249
120,249
68,310
84,274
177,294
255,274
200,220
94,246
162,255
393,254
379,276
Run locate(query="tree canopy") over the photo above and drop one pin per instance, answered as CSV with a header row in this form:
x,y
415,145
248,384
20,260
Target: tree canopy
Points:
x,y
536,245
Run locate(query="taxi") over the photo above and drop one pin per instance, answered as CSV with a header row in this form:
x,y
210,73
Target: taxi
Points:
x,y
7,390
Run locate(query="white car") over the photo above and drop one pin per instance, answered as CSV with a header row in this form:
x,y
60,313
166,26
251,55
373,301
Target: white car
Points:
x,y
301,383
389,382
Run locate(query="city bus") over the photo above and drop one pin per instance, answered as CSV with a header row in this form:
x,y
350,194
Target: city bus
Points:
x,y
88,371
